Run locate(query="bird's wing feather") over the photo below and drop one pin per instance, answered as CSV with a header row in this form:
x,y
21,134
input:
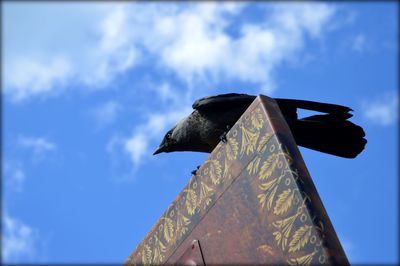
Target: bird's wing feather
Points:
x,y
223,101
314,106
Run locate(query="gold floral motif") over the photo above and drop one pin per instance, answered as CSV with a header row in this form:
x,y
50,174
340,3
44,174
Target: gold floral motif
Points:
x,y
284,228
159,250
205,195
231,149
252,167
168,229
262,198
182,223
300,238
191,201
269,166
147,255
270,187
215,171
304,260
257,120
284,202
263,141
249,140
279,195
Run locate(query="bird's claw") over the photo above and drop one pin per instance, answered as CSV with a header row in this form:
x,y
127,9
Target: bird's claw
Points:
x,y
194,172
223,136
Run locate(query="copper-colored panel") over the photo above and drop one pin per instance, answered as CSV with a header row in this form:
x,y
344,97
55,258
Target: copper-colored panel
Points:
x,y
192,255
251,202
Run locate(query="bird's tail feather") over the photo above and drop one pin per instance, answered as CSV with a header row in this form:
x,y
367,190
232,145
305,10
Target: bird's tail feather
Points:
x,y
331,133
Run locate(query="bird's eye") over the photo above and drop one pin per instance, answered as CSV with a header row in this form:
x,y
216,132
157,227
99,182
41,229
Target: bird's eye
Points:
x,y
168,136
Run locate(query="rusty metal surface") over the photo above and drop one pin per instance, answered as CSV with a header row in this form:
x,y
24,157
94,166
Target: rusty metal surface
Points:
x,y
192,256
251,202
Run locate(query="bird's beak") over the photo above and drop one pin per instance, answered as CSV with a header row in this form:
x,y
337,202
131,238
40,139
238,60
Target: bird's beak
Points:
x,y
159,150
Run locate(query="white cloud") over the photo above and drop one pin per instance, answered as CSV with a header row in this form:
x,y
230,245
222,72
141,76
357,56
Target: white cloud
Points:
x,y
195,42
137,147
383,110
309,17
19,240
28,77
38,145
191,40
64,44
116,51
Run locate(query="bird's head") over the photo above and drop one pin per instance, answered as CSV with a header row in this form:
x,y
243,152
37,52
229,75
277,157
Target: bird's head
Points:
x,y
168,143
182,137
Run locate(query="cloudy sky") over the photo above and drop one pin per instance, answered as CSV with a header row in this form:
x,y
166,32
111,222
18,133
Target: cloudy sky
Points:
x,y
89,89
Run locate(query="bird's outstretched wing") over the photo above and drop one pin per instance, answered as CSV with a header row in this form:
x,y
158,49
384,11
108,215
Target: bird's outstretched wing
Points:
x,y
230,100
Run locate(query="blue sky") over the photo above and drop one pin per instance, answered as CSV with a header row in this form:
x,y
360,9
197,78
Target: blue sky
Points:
x,y
89,89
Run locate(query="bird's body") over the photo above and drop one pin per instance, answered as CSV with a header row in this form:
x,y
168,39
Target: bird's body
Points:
x,y
212,117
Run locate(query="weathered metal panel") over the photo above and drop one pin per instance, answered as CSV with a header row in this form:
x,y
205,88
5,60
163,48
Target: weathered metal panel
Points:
x,y
192,255
251,202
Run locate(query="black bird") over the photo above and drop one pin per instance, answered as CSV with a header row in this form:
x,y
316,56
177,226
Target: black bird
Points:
x,y
212,117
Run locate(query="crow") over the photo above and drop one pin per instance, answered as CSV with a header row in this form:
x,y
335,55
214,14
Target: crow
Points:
x,y
213,116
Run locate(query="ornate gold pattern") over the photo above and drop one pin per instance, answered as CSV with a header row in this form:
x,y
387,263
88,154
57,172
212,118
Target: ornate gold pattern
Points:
x,y
231,149
159,250
300,238
257,118
168,229
284,228
264,139
277,184
191,201
304,260
252,167
182,224
205,195
213,169
147,257
284,202
250,129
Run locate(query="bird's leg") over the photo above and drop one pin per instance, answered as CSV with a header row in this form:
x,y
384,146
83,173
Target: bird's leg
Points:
x,y
223,136
194,172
